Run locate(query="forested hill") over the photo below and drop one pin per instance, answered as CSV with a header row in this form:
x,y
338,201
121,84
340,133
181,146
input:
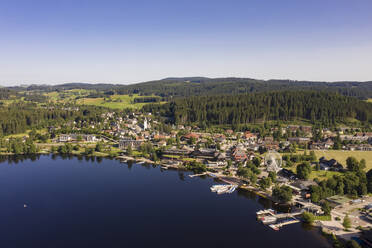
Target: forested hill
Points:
x,y
317,107
206,86
194,86
62,87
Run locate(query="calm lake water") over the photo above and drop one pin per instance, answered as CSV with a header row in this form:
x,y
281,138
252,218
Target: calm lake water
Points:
x,y
82,203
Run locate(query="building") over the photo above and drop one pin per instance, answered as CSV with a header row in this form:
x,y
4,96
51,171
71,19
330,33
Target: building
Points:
x,y
64,138
239,155
145,124
331,165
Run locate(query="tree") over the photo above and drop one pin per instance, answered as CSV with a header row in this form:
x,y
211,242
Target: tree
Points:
x,y
283,193
369,181
312,156
256,161
99,147
129,150
243,172
303,170
308,217
347,222
265,182
352,164
326,208
272,176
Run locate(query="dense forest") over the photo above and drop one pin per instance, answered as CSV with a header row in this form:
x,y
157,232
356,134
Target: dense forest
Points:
x,y
317,107
193,86
19,117
173,87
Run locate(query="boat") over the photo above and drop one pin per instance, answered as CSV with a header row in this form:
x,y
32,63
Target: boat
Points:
x,y
265,212
274,227
232,189
268,220
223,188
217,187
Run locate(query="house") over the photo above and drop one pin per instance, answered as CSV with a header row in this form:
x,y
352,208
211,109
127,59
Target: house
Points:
x,y
204,154
229,132
322,145
287,174
191,136
331,165
249,136
216,163
293,128
177,152
272,146
303,185
268,139
253,147
64,138
161,143
239,155
90,138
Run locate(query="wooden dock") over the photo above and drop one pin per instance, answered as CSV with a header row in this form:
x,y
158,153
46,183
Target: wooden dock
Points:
x,y
198,175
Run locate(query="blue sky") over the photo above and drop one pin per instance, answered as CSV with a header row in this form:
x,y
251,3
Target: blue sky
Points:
x,y
110,41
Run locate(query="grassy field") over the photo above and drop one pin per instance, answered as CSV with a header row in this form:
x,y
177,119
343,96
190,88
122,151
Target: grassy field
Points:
x,y
114,102
341,156
67,95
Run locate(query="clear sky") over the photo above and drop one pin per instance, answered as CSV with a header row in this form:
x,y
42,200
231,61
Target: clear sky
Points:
x,y
107,41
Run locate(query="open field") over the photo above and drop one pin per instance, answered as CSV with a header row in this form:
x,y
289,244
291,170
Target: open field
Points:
x,y
341,156
67,95
369,100
114,102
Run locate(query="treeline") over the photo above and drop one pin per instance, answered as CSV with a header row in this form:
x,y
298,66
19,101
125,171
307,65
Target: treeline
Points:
x,y
146,99
6,94
20,116
317,107
192,86
184,87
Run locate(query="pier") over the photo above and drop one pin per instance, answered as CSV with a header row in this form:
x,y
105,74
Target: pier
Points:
x,y
277,221
198,175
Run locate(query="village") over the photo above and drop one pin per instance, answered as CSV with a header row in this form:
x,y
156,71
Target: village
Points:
x,y
250,160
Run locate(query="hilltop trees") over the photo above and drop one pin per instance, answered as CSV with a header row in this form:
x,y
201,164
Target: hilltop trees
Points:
x,y
21,116
318,107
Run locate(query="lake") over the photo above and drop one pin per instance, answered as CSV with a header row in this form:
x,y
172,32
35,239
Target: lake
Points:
x,y
77,202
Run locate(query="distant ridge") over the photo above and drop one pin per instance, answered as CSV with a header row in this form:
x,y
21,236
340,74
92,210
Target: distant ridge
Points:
x,y
191,86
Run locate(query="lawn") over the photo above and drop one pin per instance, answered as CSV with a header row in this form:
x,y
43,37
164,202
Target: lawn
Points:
x,y
341,156
114,102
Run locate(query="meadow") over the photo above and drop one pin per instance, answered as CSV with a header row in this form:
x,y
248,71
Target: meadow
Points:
x,y
113,102
341,156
